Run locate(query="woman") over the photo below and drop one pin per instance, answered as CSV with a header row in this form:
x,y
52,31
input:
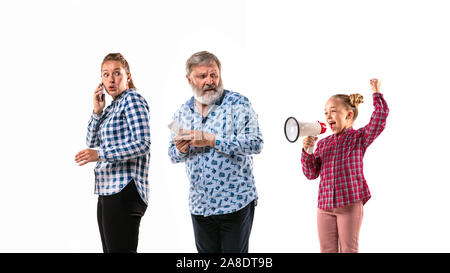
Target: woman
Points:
x,y
122,134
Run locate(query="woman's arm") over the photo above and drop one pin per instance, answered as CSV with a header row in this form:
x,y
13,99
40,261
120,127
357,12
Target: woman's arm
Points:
x,y
137,117
92,139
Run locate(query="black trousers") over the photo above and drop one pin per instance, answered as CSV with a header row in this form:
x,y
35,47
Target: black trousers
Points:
x,y
119,217
227,233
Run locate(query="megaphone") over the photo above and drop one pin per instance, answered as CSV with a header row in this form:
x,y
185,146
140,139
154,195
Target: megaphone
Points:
x,y
294,129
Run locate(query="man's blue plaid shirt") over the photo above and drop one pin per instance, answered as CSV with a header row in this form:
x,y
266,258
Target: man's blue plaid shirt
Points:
x,y
122,133
221,178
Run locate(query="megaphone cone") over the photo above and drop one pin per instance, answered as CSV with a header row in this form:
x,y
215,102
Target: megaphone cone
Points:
x,y
291,129
294,129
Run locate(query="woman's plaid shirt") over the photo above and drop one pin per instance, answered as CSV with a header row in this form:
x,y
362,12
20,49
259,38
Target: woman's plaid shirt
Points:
x,y
339,161
122,133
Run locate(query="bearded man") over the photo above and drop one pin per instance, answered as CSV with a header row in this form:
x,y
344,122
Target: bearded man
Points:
x,y
218,135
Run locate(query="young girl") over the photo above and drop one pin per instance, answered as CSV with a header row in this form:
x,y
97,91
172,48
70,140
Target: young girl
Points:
x,y
338,159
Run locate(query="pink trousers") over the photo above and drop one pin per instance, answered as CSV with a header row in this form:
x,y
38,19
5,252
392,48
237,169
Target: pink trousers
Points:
x,y
339,228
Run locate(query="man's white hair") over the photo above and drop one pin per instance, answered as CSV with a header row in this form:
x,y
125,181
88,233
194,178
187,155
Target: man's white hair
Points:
x,y
199,58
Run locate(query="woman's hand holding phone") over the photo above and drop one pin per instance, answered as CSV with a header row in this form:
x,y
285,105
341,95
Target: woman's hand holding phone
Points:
x,y
99,104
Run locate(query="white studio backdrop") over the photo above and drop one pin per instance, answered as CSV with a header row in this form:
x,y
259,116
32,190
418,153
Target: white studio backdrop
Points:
x,y
287,57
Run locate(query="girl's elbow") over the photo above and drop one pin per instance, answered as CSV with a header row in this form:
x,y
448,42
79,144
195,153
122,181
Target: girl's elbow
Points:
x,y
309,176
313,177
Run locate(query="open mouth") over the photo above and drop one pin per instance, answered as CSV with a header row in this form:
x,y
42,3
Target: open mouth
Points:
x,y
332,124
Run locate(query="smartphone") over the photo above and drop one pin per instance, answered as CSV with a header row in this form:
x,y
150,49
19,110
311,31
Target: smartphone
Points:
x,y
100,97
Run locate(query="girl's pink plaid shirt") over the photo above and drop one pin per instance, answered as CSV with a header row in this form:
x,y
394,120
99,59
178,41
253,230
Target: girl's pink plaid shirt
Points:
x,y
339,161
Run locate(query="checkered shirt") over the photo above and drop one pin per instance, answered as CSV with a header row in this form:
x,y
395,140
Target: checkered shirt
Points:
x,y
122,133
221,178
339,161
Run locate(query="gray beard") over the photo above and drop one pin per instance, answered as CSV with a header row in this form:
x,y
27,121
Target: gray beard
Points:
x,y
210,97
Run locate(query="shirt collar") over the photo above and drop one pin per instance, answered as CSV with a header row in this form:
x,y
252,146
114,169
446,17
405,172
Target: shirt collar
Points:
x,y
345,132
191,101
124,92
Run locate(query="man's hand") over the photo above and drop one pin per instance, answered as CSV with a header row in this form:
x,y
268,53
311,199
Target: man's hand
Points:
x,y
375,85
182,141
196,138
86,156
202,139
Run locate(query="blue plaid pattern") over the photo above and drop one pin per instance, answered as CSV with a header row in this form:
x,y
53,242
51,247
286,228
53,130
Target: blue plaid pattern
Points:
x,y
221,178
122,133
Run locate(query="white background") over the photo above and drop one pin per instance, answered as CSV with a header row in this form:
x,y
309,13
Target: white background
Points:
x,y
287,57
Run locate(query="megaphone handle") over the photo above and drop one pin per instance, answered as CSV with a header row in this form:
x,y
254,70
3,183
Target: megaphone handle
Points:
x,y
310,150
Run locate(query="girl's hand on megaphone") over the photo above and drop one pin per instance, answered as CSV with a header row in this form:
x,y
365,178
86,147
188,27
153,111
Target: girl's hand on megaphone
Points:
x,y
309,142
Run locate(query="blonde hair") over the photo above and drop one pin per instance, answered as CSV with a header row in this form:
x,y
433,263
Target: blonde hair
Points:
x,y
351,102
119,57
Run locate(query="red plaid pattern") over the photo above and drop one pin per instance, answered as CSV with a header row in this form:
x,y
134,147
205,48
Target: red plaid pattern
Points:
x,y
339,161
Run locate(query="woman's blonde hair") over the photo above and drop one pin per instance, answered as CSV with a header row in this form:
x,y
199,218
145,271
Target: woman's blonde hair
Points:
x,y
351,102
119,57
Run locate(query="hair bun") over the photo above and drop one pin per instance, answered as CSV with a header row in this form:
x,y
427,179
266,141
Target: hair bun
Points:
x,y
356,99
